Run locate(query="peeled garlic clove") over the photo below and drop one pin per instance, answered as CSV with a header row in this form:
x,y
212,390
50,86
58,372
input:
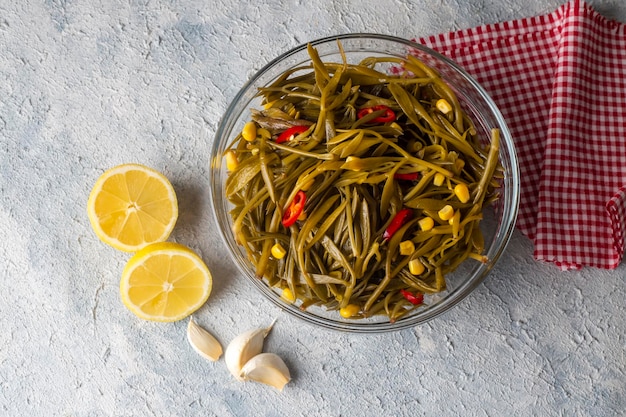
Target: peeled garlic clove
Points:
x,y
267,368
203,342
243,347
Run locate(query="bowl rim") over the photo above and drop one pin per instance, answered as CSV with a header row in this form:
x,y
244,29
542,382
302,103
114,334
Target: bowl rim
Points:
x,y
455,296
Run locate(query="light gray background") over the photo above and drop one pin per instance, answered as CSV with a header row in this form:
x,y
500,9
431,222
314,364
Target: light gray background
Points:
x,y
89,85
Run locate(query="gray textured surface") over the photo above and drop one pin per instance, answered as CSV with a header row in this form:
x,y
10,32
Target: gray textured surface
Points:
x,y
86,86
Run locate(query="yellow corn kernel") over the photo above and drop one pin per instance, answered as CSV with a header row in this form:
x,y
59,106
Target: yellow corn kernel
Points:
x,y
443,106
416,267
446,213
349,311
439,179
278,251
407,247
462,192
231,160
249,131
288,295
426,223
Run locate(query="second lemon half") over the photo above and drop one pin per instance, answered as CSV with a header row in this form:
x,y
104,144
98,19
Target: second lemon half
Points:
x,y
165,282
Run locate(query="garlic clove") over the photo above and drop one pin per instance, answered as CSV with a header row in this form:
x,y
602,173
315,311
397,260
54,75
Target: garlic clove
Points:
x,y
203,342
267,368
243,347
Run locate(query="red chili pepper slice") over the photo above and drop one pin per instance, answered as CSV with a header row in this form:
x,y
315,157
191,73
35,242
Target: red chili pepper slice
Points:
x,y
398,220
387,116
414,299
290,133
411,176
294,210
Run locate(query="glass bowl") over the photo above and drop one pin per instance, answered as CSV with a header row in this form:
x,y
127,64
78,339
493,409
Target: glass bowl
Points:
x,y
498,219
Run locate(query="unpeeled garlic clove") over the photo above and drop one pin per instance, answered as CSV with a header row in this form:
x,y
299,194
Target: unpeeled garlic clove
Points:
x,y
267,368
243,348
203,342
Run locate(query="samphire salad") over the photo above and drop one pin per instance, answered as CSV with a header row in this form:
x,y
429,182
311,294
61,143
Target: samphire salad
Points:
x,y
358,189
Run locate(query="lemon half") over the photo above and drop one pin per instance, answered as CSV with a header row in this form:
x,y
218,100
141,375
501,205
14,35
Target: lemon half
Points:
x,y
131,206
165,282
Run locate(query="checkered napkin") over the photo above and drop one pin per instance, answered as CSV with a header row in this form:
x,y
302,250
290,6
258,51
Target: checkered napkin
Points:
x,y
560,82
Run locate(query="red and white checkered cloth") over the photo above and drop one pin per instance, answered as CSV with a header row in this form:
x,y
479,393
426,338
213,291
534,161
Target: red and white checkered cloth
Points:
x,y
560,82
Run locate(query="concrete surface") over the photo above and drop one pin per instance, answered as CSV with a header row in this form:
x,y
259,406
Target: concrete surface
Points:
x,y
88,85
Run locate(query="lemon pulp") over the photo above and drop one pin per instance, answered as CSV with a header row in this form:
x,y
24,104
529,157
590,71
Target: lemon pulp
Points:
x,y
165,282
131,206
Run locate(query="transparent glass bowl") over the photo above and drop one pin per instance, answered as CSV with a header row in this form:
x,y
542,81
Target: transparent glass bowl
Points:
x,y
497,225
